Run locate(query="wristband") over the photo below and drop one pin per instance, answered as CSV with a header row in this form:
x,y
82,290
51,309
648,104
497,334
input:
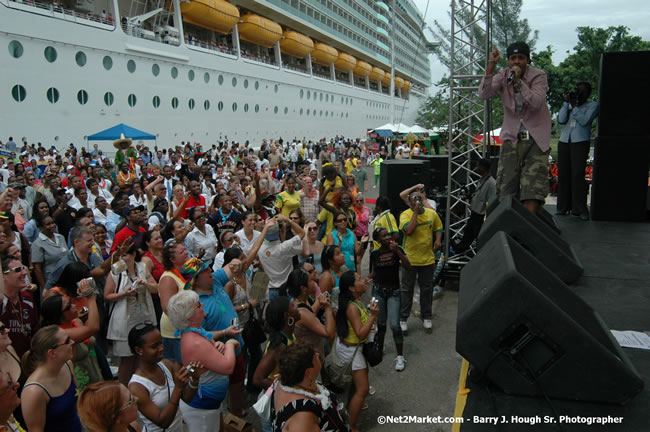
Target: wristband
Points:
x,y
193,387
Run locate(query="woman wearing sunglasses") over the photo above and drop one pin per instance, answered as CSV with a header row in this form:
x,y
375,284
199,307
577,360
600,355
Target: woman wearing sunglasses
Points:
x,y
344,238
159,384
108,406
49,398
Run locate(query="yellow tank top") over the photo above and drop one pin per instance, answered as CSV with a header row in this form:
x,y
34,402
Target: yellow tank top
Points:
x,y
167,330
276,370
352,338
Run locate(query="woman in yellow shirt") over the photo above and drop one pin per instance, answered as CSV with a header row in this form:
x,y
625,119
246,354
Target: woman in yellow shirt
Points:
x,y
289,199
353,324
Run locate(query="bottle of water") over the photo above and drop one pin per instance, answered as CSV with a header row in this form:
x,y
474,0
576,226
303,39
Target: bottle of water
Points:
x,y
440,265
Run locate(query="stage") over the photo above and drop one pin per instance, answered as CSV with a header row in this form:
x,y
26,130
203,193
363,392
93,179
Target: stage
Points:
x,y
616,283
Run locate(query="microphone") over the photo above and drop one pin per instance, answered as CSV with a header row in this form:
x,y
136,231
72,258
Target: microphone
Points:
x,y
511,76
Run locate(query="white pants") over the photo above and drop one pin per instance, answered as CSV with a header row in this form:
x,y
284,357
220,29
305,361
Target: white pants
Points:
x,y
201,420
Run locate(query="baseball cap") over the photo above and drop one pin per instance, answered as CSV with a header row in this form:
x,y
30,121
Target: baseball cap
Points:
x,y
127,210
518,48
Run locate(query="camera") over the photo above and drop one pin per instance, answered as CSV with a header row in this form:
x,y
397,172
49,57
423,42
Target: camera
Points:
x,y
190,369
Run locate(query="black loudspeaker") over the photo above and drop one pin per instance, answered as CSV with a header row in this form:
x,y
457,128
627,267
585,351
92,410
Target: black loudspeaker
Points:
x,y
544,215
523,329
438,169
397,175
620,183
535,235
618,117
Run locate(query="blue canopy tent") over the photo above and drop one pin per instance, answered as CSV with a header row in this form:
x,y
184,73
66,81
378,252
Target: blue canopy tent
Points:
x,y
384,132
116,132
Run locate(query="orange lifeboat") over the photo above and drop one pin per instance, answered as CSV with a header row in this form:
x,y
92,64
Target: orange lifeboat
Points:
x,y
345,62
217,15
399,82
363,69
296,44
259,30
377,74
407,85
386,79
324,54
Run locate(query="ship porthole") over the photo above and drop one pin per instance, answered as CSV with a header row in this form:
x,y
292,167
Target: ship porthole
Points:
x,y
132,100
190,104
234,82
82,97
257,108
220,80
156,101
190,75
130,66
16,49
52,95
206,105
174,102
155,69
18,92
107,62
50,54
80,58
174,72
206,77
108,98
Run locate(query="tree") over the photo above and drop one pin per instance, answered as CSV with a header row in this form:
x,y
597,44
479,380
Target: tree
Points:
x,y
434,112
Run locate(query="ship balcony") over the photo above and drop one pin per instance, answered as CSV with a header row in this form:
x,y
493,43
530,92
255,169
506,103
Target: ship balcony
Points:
x,y
66,12
294,64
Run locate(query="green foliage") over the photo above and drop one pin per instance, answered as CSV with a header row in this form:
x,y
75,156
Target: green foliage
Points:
x,y
434,112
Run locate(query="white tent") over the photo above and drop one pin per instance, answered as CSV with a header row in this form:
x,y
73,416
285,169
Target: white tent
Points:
x,y
388,126
402,128
418,129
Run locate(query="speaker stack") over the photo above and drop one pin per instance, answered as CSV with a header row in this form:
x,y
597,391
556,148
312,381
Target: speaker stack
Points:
x,y
399,174
622,152
522,328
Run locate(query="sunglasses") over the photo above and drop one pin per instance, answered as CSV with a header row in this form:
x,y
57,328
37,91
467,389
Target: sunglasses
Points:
x,y
143,325
341,220
311,229
15,269
67,341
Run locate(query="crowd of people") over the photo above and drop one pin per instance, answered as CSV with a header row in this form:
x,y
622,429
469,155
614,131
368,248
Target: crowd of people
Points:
x,y
150,290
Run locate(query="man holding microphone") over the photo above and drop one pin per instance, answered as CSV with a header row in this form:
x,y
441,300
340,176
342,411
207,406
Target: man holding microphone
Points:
x,y
526,129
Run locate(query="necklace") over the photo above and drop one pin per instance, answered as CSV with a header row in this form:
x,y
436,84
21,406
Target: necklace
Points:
x,y
321,394
20,314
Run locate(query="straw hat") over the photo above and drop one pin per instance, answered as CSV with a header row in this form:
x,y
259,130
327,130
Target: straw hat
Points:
x,y
122,143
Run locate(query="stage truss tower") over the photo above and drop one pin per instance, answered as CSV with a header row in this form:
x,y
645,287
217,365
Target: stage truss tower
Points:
x,y
468,115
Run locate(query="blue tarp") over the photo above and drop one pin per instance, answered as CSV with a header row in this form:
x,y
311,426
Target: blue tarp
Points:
x,y
116,132
384,132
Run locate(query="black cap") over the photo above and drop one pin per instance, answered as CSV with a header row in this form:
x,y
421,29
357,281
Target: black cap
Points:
x,y
127,210
518,48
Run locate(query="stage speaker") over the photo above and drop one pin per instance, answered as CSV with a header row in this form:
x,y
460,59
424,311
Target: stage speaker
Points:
x,y
617,116
535,235
399,174
544,215
438,169
620,183
525,331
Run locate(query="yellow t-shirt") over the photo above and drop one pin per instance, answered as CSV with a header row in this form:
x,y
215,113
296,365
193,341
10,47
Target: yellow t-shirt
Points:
x,y
287,202
419,245
385,220
167,329
350,164
352,337
338,183
326,217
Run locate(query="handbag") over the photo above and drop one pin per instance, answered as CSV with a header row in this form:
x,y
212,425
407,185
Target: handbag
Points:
x,y
253,333
340,373
263,405
373,352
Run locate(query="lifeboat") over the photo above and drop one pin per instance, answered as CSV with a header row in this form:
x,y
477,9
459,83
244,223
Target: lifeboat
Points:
x,y
386,79
259,30
217,15
296,44
363,69
345,63
324,54
377,74
399,82
406,86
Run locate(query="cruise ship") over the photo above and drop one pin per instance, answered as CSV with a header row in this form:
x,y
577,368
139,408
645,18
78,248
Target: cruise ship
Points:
x,y
208,70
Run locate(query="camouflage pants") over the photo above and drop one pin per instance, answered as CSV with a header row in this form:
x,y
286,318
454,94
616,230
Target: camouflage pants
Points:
x,y
523,171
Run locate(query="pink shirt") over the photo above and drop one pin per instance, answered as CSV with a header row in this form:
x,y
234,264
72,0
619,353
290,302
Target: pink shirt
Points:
x,y
534,115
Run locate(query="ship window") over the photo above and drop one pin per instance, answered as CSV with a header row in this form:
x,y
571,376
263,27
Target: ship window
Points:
x,y
245,107
82,97
155,69
130,66
300,111
234,81
313,113
321,97
308,111
206,105
326,113
220,106
302,93
16,49
190,75
327,98
108,98
18,92
257,108
174,102
52,95
257,85
275,110
190,104
286,110
156,101
174,72
321,113
275,88
132,100
234,107
220,79
80,57
246,84
107,62
50,54
308,94
206,78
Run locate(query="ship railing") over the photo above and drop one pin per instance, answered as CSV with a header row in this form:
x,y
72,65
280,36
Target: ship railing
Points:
x,y
212,46
321,75
295,68
54,7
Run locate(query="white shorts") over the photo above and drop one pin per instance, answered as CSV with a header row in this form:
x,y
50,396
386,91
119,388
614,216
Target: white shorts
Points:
x,y
345,353
201,420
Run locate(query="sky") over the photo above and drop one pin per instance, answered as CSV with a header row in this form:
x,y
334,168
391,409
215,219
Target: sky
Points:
x,y
556,21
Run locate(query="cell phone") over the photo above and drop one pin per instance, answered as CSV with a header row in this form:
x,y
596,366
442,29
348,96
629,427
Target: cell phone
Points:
x,y
190,369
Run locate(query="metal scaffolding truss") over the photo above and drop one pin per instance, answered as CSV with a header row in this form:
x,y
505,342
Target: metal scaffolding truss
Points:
x,y
468,115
